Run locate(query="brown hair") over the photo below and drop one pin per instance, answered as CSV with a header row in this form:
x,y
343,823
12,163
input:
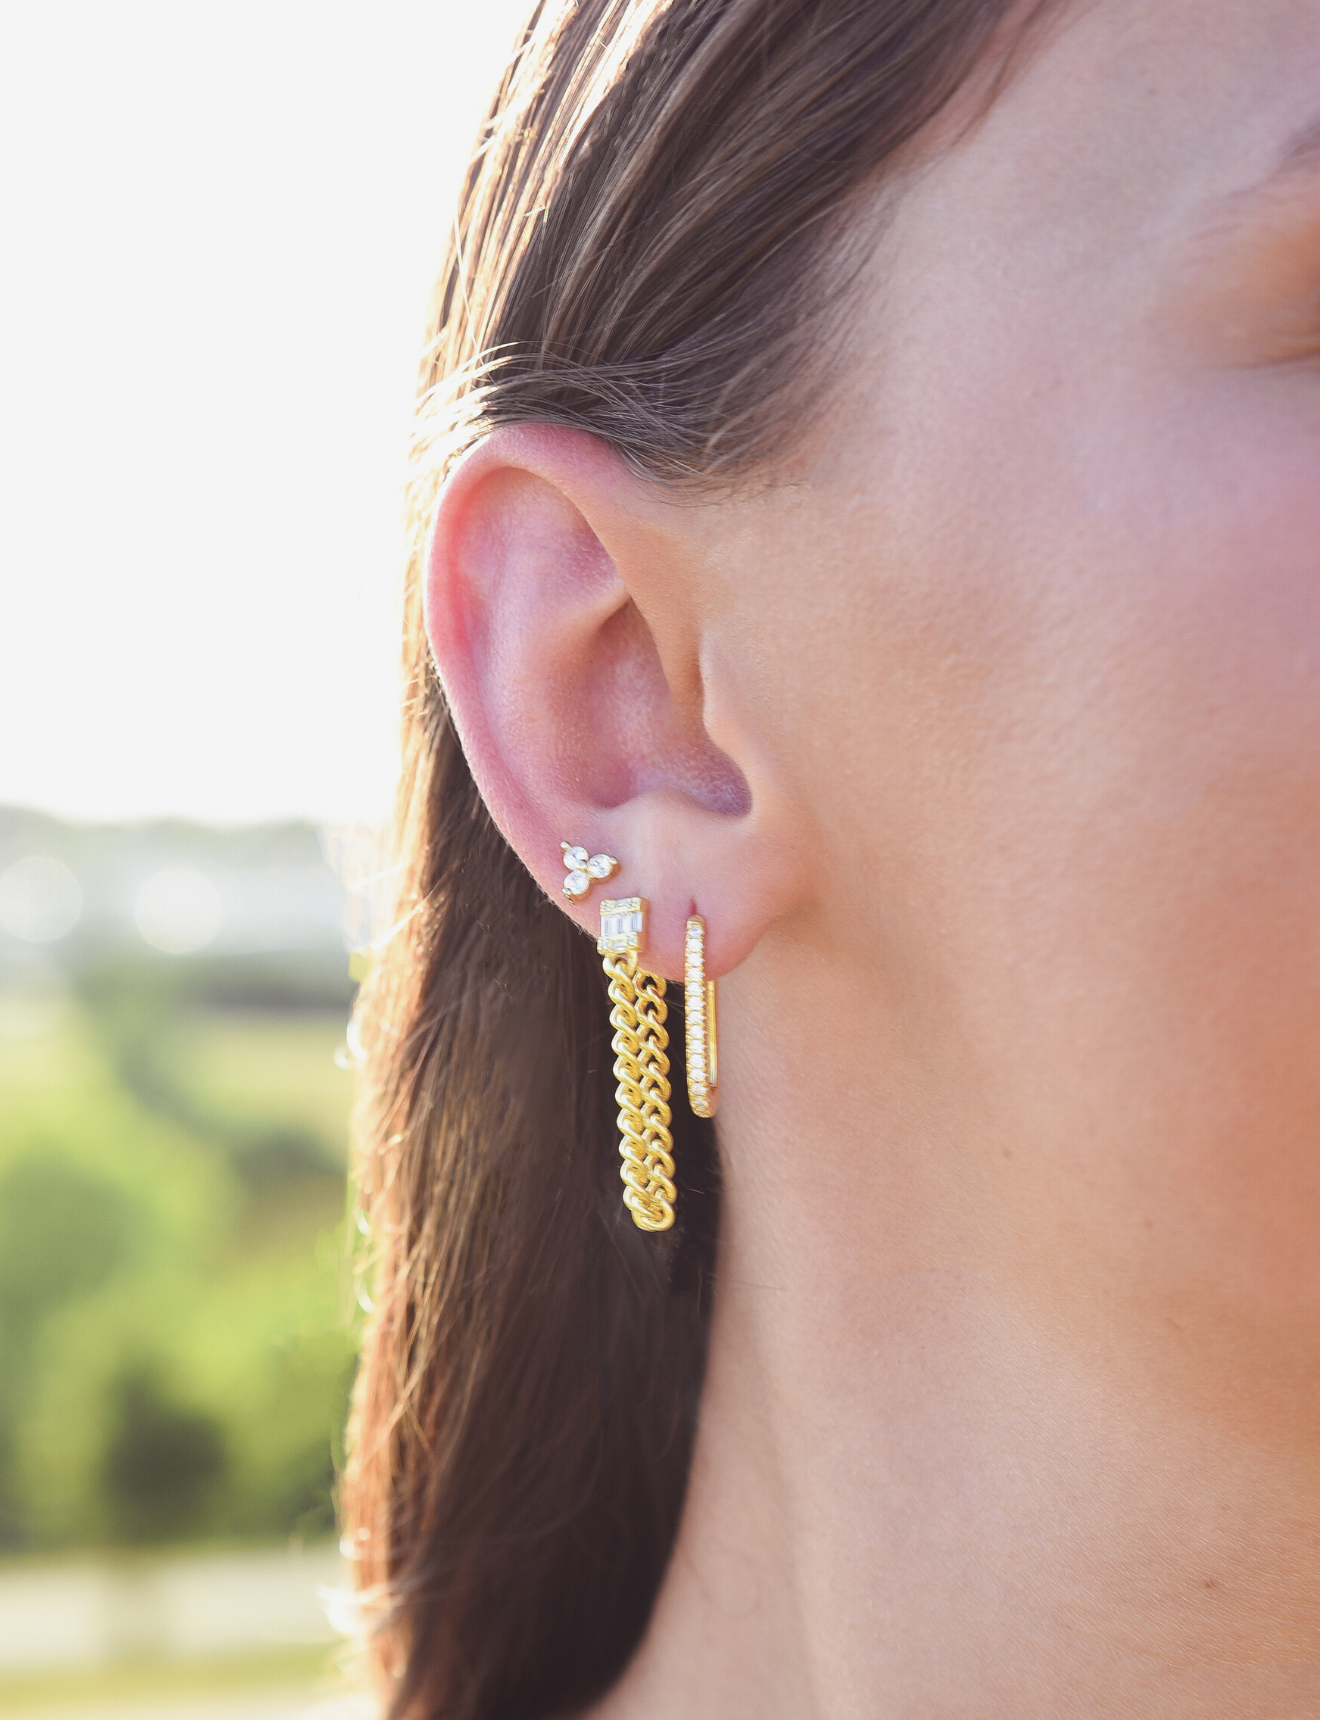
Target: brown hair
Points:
x,y
647,247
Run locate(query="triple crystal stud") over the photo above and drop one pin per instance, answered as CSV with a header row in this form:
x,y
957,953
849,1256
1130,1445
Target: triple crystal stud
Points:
x,y
584,870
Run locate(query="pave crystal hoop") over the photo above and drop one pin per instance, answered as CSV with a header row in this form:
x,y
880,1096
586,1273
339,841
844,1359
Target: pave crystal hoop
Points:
x,y
641,1068
703,1070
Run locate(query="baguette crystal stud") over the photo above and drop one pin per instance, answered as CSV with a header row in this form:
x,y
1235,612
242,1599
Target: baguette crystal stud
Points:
x,y
623,927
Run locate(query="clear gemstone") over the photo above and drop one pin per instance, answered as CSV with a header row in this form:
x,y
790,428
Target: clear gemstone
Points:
x,y
600,865
622,925
575,859
577,883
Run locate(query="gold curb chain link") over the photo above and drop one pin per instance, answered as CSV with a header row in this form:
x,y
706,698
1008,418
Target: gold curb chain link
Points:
x,y
641,1069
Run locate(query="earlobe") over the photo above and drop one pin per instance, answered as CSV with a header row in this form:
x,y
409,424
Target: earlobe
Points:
x,y
566,606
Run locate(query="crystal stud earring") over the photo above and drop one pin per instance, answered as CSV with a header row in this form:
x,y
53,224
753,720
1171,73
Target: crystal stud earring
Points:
x,y
585,869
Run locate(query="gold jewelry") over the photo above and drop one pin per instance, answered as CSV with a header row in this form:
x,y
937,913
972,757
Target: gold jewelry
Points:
x,y
703,1070
583,869
641,1067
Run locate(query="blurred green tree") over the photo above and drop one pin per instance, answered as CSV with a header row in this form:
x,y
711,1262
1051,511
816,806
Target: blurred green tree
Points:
x,y
164,1466
63,1232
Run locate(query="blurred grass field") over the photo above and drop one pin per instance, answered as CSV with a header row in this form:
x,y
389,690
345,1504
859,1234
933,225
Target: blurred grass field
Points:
x,y
291,1681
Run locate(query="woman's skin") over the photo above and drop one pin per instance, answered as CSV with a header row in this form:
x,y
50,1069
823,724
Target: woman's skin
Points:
x,y
987,739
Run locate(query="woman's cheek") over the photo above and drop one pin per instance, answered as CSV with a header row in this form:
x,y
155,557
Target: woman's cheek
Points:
x,y
1216,863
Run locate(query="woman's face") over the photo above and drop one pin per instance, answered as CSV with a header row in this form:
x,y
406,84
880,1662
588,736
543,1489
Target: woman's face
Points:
x,y
1034,634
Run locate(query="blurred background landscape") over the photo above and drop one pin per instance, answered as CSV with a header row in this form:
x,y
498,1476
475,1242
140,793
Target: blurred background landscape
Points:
x,y
221,223
177,1289
173,1145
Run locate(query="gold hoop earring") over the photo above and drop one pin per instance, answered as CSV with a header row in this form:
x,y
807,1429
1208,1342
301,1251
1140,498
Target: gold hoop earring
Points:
x,y
585,869
641,1067
703,1069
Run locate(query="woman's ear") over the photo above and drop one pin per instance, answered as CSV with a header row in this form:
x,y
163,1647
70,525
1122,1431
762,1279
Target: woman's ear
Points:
x,y
572,620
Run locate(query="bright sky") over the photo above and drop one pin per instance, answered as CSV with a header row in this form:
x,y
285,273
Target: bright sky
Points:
x,y
220,223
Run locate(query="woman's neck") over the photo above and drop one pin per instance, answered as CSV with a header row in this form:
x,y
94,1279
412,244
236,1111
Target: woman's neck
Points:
x,y
930,1480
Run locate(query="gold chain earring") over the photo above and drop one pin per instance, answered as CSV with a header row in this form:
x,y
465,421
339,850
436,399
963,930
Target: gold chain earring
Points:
x,y
703,1069
641,1067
